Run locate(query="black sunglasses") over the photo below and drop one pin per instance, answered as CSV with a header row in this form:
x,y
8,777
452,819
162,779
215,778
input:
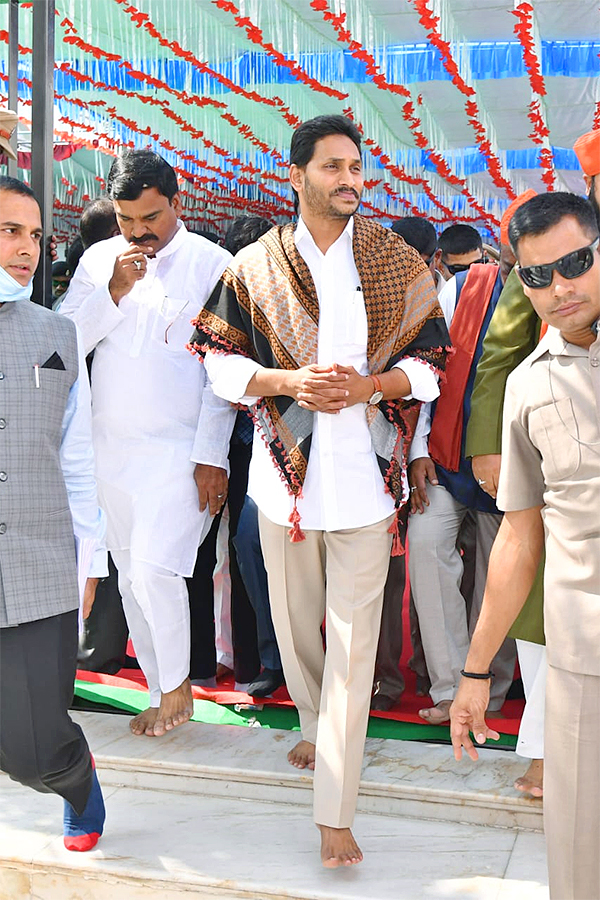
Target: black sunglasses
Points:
x,y
462,267
572,265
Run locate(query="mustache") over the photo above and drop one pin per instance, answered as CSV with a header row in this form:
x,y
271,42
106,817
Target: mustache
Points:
x,y
345,191
144,240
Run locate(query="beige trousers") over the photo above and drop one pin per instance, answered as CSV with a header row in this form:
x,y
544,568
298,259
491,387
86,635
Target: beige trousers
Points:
x,y
572,784
338,576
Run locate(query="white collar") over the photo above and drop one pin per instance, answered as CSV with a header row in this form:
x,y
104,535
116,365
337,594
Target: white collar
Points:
x,y
302,232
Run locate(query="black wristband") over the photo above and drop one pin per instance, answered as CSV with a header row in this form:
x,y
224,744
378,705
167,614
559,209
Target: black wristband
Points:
x,y
480,676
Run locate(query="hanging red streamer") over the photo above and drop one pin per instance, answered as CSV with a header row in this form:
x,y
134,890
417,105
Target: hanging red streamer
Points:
x,y
430,22
408,110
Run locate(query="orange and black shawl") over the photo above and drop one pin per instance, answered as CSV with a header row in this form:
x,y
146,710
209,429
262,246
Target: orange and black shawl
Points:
x,y
266,308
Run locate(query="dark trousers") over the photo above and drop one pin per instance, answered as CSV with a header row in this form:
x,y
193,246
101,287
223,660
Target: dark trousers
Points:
x,y
103,644
40,745
252,567
246,659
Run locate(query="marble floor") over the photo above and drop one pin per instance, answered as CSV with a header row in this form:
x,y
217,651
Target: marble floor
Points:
x,y
174,839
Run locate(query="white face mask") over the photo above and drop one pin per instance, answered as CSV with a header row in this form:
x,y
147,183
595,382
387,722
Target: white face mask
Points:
x,y
11,290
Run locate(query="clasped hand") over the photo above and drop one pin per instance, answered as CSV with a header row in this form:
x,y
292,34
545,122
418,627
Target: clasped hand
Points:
x,y
330,389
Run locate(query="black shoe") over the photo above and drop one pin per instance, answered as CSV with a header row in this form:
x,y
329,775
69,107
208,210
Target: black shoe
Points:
x,y
382,703
265,683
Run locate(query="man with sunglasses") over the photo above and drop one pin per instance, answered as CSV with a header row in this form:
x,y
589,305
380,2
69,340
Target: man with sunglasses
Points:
x,y
550,482
461,246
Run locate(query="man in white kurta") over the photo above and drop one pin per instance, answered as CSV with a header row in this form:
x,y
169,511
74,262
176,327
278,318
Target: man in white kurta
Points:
x,y
333,562
161,437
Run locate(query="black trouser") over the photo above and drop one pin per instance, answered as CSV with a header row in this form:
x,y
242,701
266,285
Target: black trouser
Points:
x,y
203,658
40,745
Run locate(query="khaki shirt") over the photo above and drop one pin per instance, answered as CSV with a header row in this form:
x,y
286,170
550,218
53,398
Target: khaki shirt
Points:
x,y
551,457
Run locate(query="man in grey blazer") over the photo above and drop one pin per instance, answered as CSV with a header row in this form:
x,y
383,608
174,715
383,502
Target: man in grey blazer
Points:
x,y
49,514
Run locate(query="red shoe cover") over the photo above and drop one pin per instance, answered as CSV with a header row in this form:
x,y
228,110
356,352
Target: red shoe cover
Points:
x,y
81,842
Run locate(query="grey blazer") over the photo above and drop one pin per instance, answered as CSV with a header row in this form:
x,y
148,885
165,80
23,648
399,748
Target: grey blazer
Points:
x,y
38,366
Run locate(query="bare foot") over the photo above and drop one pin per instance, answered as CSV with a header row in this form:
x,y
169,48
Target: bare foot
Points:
x,y
302,756
338,847
438,714
223,671
175,709
532,782
143,723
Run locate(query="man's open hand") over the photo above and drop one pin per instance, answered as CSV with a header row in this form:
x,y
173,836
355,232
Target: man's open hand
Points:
x,y
420,471
211,482
467,714
89,595
486,469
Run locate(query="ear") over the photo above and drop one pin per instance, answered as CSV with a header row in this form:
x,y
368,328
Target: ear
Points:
x,y
588,184
296,177
176,203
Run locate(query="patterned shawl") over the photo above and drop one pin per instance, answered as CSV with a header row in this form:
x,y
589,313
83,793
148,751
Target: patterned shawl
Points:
x,y
266,308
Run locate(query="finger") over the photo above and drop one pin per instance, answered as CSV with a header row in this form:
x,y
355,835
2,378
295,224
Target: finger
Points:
x,y
422,496
202,499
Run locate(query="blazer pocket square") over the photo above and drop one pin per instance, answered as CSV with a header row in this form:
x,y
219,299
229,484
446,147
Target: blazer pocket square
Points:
x,y
54,362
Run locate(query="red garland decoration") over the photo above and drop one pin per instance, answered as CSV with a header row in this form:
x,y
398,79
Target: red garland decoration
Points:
x,y
143,20
255,35
244,130
430,23
524,31
408,109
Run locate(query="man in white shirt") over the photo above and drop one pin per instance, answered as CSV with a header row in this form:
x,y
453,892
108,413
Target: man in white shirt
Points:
x,y
161,437
321,327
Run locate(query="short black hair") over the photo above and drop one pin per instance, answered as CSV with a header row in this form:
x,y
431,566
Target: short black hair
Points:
x,y
14,186
74,254
544,211
307,134
458,239
417,232
135,170
98,220
245,230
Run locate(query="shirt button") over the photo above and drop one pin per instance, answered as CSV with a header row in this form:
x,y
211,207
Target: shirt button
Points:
x,y
594,361
3,476
2,423
2,528
1,375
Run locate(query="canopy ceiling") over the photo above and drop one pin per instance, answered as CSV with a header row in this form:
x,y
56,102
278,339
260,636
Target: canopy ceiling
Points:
x,y
462,103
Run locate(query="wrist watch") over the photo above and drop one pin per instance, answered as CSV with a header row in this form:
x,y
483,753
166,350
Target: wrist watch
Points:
x,y
377,395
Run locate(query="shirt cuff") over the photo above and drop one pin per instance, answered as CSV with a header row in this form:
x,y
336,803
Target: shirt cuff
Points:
x,y
418,448
99,564
230,375
423,380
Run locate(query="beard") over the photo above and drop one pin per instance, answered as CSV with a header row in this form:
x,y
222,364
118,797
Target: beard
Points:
x,y
320,203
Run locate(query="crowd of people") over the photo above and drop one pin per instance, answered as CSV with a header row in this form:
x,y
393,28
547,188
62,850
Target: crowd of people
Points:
x,y
340,398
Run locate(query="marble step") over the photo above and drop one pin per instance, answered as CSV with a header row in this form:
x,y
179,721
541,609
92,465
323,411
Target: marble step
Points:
x,y
174,845
400,778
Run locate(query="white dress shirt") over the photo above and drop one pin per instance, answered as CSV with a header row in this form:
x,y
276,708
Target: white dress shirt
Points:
x,y
344,487
77,464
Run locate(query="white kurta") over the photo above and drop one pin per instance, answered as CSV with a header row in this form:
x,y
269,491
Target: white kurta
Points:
x,y
344,487
154,412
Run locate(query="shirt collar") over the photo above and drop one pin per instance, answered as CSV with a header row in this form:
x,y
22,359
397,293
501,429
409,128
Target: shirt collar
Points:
x,y
302,233
175,243
556,345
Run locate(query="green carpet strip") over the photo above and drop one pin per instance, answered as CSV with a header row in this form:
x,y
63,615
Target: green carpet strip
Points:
x,y
105,697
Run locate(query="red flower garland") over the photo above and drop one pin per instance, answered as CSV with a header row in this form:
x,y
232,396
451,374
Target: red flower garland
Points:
x,y
255,35
524,31
494,167
408,109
